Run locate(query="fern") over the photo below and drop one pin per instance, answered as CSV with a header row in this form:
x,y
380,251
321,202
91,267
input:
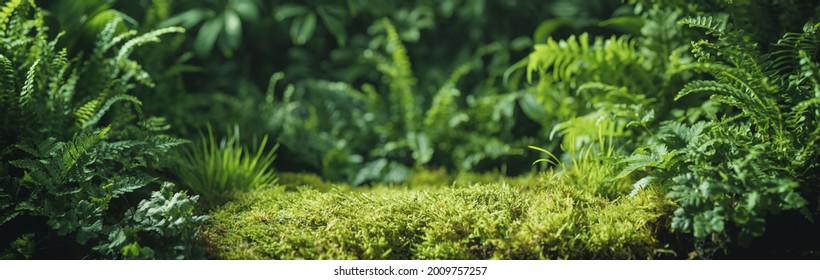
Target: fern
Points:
x,y
402,82
8,86
28,86
87,121
786,56
77,147
577,60
73,176
6,13
744,167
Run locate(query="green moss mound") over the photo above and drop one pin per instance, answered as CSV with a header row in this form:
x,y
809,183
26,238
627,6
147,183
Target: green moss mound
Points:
x,y
516,219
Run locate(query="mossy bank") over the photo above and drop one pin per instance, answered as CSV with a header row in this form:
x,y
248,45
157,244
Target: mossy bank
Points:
x,y
517,219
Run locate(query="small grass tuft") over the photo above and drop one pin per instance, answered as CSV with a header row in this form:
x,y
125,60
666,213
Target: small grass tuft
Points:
x,y
218,171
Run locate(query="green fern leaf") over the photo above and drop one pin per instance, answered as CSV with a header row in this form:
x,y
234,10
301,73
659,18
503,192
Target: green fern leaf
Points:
x,y
104,108
712,25
402,81
78,146
143,39
105,39
127,184
165,143
7,85
708,87
28,86
5,13
87,111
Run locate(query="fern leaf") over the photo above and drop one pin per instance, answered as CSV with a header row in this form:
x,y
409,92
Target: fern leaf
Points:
x,y
106,37
127,184
641,184
811,71
712,25
7,84
442,106
131,69
104,108
5,13
59,66
78,146
402,80
28,86
66,91
708,87
678,135
87,111
166,143
786,57
576,61
143,39
636,162
118,39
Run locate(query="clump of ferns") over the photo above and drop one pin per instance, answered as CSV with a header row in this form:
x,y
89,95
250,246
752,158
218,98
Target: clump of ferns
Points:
x,y
220,170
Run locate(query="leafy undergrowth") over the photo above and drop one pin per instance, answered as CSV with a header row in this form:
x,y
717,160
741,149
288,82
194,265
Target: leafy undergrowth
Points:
x,y
464,218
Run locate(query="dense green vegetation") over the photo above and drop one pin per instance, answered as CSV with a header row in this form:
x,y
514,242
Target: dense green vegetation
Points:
x,y
370,129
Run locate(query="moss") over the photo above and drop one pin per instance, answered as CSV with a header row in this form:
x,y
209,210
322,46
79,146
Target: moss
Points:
x,y
292,181
524,218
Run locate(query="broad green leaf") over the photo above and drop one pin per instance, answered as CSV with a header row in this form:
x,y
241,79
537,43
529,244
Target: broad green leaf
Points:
x,y
284,12
546,28
302,28
233,32
333,19
532,108
246,9
207,35
627,24
188,19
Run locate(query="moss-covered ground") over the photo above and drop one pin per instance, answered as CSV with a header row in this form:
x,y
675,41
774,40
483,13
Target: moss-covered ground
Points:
x,y
435,216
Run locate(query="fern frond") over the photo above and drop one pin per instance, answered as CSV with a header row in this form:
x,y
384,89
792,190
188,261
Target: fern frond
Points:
x,y
402,80
78,146
641,184
811,71
443,105
28,86
711,25
166,143
67,90
613,94
99,112
5,13
8,85
576,60
127,184
106,37
59,66
636,162
677,135
150,37
118,39
87,111
559,56
786,56
131,69
707,86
